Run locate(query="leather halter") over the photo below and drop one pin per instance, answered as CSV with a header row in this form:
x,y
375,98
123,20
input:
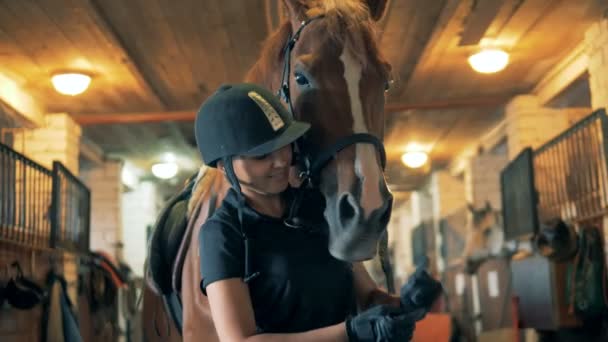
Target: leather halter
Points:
x,y
312,164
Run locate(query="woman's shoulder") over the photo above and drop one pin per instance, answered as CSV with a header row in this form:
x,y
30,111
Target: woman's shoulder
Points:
x,y
222,221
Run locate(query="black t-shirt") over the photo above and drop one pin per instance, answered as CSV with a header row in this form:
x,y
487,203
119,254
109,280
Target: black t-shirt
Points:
x,y
301,286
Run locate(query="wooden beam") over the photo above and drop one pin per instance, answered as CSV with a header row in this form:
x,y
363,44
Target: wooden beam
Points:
x,y
563,74
479,21
189,115
20,103
450,104
103,24
130,118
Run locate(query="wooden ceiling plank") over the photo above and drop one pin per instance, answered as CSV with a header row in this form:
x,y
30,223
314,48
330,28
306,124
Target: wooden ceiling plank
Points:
x,y
524,18
479,21
400,42
95,56
236,49
201,57
448,24
182,26
138,26
17,18
502,17
143,80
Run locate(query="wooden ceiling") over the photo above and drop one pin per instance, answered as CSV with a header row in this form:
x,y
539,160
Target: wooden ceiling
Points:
x,y
165,56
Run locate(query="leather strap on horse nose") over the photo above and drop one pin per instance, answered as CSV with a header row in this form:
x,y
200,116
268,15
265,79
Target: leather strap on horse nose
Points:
x,y
327,154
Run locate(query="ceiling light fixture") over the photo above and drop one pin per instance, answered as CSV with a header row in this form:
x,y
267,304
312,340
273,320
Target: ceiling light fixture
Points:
x,y
165,170
72,83
488,61
414,159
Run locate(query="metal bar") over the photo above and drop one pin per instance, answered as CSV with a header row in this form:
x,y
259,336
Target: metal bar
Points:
x,y
587,144
3,188
562,153
28,227
55,206
604,155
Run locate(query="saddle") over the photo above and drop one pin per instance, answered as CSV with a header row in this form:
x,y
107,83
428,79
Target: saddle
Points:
x,y
167,235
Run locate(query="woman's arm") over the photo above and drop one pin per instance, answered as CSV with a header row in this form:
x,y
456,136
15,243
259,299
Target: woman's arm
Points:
x,y
368,294
235,322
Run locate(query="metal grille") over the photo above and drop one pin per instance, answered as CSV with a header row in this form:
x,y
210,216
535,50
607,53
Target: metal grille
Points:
x,y
71,208
518,197
25,200
570,171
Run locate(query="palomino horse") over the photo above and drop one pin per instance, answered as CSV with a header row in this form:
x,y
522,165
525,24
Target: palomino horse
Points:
x,y
326,62
485,236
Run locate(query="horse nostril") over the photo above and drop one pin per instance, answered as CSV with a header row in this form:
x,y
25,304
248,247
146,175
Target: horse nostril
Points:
x,y
346,207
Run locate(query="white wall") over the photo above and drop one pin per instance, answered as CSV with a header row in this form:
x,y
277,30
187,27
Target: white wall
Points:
x,y
138,211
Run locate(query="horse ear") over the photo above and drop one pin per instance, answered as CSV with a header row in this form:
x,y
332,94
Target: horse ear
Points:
x,y
296,11
376,8
488,206
471,208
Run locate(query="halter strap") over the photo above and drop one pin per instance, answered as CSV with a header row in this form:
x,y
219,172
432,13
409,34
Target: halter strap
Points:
x,y
343,143
284,90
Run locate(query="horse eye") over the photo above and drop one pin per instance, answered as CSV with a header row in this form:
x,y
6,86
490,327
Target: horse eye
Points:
x,y
301,80
387,85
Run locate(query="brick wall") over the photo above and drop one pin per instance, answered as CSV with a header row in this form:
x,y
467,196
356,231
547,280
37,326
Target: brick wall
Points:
x,y
450,193
58,139
106,199
531,124
482,180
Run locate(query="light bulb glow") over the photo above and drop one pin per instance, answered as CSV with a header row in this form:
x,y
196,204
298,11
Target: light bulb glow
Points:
x,y
164,170
489,61
414,159
71,83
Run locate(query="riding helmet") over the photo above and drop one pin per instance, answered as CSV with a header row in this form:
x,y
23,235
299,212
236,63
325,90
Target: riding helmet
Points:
x,y
243,120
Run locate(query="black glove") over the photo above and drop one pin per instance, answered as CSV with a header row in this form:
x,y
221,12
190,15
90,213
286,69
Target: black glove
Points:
x,y
420,292
382,323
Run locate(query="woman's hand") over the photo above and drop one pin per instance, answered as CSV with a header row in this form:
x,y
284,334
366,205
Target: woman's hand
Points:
x,y
382,323
420,292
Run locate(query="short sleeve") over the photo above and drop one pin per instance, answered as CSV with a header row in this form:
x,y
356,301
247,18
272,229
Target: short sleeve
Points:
x,y
221,251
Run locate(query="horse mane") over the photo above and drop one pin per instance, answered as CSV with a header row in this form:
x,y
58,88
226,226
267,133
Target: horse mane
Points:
x,y
347,23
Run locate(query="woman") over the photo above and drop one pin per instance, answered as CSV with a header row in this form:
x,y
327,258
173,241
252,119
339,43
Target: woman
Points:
x,y
265,280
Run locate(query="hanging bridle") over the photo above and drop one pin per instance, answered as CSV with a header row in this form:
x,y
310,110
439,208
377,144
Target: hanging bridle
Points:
x,y
311,165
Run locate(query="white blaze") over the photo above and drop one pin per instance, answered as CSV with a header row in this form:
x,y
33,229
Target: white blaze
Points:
x,y
366,167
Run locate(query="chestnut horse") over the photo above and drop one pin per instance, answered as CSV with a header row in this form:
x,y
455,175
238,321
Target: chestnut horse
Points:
x,y
326,63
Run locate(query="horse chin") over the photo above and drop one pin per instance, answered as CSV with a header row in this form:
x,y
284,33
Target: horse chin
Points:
x,y
352,242
353,237
353,251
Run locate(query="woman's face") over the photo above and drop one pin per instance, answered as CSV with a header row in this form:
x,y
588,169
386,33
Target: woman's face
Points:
x,y
267,174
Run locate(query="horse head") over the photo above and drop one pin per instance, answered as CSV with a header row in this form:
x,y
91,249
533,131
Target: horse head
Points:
x,y
335,78
485,230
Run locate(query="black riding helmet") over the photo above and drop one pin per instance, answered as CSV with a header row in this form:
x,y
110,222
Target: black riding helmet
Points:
x,y
243,120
